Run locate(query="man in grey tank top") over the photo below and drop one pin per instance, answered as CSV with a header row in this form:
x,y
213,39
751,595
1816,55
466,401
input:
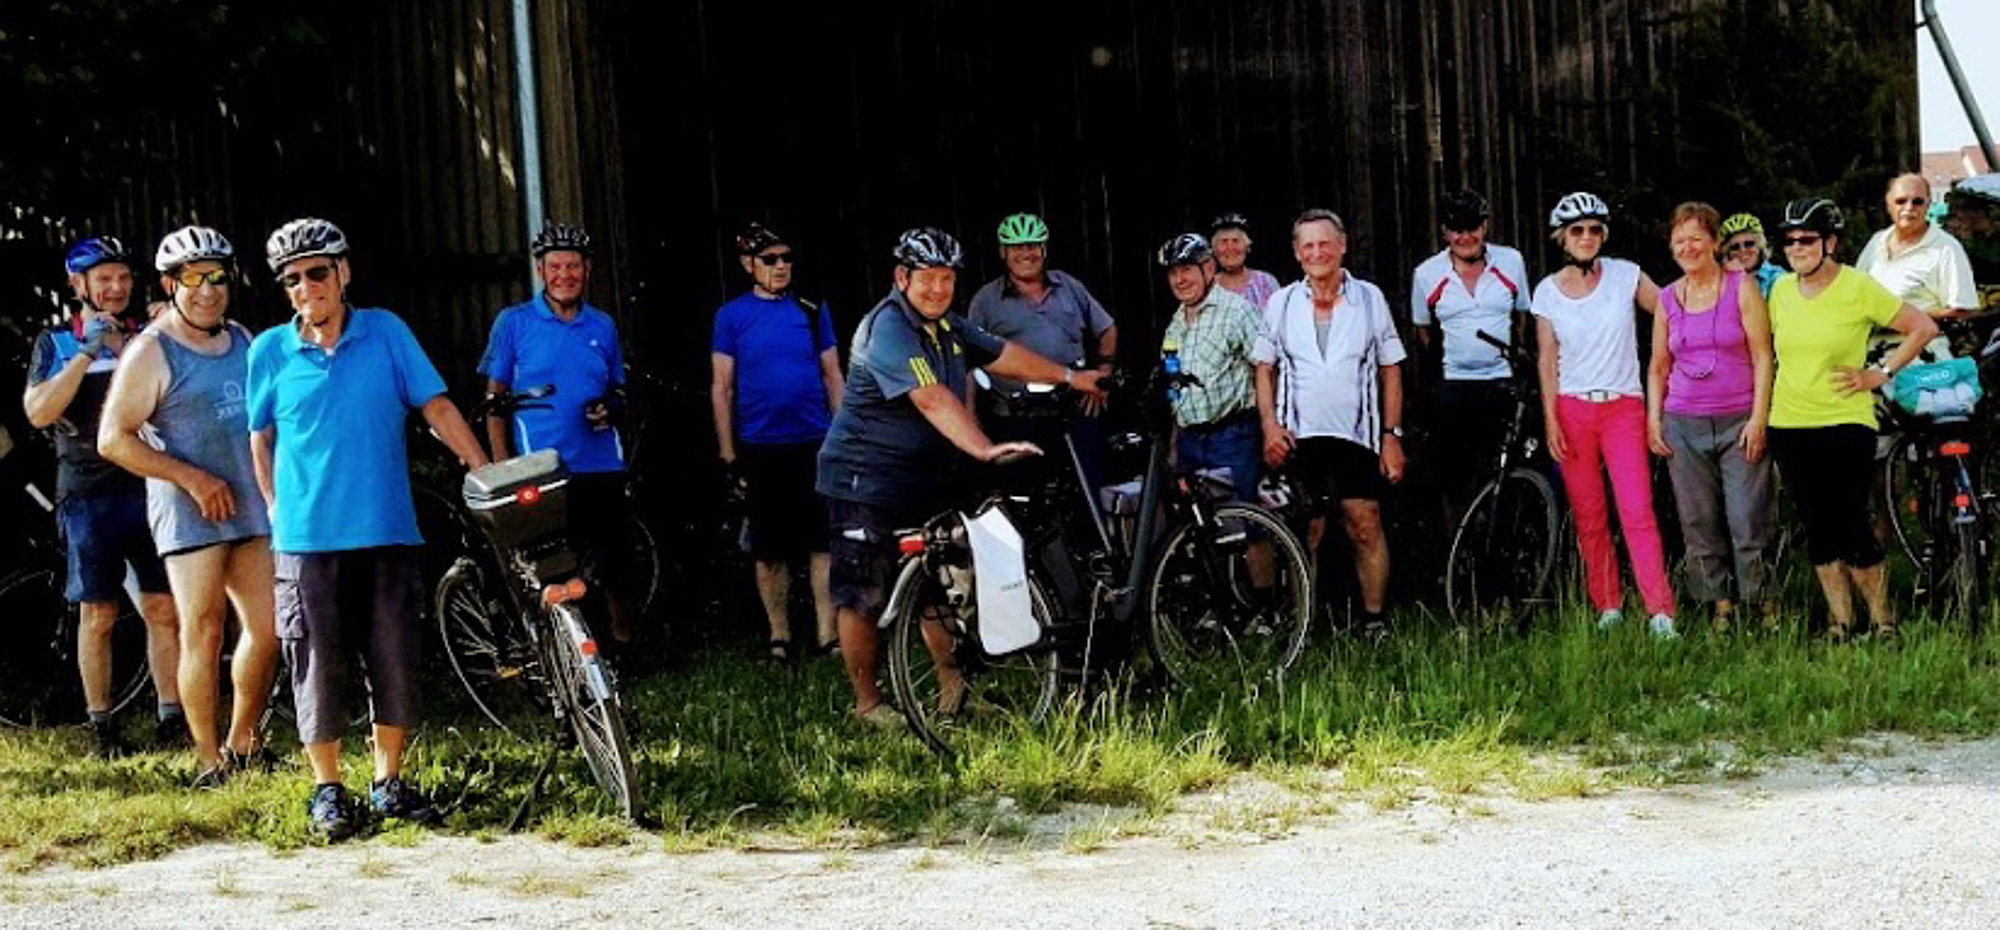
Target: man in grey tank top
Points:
x,y
182,384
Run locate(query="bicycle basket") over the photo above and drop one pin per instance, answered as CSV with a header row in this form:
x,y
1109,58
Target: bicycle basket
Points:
x,y
520,502
1947,390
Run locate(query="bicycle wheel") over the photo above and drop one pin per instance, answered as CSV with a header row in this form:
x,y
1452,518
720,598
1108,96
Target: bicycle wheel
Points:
x,y
39,685
582,682
926,637
641,583
1907,500
1964,580
1504,549
1209,620
490,651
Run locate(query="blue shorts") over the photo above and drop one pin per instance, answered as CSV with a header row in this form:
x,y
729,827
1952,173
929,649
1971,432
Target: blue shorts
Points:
x,y
103,535
1235,442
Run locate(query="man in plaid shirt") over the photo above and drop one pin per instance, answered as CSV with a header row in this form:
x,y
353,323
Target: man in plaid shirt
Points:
x,y
1212,332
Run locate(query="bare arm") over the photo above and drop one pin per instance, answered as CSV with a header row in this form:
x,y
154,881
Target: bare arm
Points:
x,y
1022,364
444,419
829,377
956,423
1546,373
1648,297
1107,348
261,462
1763,365
45,402
497,438
722,402
1392,418
1658,369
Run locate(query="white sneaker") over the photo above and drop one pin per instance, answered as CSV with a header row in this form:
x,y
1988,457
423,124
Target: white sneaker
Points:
x,y
1662,627
1606,619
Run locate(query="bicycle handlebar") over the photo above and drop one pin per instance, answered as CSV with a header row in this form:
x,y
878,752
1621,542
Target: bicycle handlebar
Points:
x,y
505,402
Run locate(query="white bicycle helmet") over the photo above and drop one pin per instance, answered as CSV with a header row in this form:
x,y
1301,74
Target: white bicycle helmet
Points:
x,y
1578,206
192,244
303,238
928,247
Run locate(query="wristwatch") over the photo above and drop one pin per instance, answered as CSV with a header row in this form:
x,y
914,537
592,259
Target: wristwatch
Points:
x,y
1883,367
1395,431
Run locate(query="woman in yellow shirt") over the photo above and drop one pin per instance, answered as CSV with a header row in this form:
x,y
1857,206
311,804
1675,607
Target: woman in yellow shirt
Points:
x,y
1822,406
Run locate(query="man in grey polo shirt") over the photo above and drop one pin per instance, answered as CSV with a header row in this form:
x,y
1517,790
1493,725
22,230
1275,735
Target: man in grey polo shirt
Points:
x,y
1054,315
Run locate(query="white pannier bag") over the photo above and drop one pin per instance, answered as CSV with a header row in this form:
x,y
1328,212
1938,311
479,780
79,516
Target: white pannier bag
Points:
x,y
1000,573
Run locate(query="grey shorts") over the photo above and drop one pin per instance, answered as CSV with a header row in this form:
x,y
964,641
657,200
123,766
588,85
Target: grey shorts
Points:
x,y
334,607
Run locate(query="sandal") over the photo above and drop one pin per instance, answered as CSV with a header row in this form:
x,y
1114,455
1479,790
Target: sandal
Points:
x,y
781,650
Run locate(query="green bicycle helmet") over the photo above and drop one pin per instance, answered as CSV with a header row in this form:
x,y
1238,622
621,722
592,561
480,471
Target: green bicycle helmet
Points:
x,y
1741,223
1023,229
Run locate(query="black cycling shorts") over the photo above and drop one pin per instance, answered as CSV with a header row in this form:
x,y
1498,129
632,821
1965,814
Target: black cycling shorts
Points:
x,y
786,517
1333,469
862,541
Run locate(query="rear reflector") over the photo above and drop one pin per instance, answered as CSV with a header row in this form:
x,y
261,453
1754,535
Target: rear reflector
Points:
x,y
910,545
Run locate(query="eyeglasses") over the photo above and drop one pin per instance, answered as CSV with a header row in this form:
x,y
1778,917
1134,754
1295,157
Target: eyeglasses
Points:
x,y
1801,241
1909,201
1747,245
771,259
1586,229
191,279
317,274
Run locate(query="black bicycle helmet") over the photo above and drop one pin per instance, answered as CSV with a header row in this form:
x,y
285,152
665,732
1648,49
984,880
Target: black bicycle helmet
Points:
x,y
928,247
1464,210
1814,214
1229,221
1184,249
755,237
560,237
303,238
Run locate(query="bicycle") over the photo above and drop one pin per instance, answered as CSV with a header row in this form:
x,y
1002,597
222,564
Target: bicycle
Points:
x,y
1180,557
39,685
513,624
1940,505
1505,548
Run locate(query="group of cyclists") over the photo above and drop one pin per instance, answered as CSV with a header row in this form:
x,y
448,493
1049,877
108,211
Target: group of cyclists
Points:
x,y
269,473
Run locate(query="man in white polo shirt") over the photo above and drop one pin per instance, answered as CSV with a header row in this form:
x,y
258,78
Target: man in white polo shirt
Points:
x,y
1330,394
1921,264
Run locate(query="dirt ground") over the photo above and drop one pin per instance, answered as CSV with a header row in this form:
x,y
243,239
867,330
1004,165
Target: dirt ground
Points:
x,y
1893,834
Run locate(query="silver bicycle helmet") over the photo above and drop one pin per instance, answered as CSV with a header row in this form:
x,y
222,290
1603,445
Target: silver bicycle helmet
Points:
x,y
192,244
560,237
1578,206
303,238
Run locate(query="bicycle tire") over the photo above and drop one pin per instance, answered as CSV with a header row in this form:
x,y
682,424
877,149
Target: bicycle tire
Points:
x,y
582,683
1505,547
1905,501
491,653
38,673
1020,685
1200,635
642,584
1964,579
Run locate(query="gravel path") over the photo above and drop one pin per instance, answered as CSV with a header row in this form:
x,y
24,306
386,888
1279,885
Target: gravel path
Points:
x,y
1898,835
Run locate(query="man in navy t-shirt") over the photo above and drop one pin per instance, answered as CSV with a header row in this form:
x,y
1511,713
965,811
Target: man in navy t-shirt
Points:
x,y
776,384
558,339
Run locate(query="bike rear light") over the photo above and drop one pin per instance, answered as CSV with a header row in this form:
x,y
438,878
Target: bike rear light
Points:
x,y
574,590
1962,501
910,545
588,647
1956,447
554,594
528,495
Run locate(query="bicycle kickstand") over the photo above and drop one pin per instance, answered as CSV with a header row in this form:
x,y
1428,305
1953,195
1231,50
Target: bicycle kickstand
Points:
x,y
520,817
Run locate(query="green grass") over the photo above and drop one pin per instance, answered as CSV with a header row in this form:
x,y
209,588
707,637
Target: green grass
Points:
x,y
736,754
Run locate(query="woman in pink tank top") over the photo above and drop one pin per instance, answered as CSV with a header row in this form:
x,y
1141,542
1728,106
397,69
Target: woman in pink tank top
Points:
x,y
1708,400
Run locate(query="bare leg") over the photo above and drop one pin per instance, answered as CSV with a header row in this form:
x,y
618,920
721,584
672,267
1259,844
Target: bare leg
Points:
x,y
1723,609
197,580
1371,551
774,588
857,652
389,750
1874,584
163,644
1839,597
249,583
820,569
324,758
951,685
93,652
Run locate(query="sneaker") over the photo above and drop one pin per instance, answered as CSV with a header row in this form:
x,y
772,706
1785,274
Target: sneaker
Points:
x,y
209,779
331,813
1662,627
261,759
171,732
882,716
393,797
105,742
1606,619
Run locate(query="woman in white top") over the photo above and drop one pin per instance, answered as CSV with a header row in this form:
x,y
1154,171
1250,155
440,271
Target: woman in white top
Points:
x,y
1594,407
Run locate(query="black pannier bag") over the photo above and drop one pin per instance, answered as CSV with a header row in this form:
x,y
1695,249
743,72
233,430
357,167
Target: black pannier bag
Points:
x,y
522,504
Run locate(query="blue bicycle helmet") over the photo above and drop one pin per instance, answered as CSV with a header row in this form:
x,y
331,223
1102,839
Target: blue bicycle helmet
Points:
x,y
94,251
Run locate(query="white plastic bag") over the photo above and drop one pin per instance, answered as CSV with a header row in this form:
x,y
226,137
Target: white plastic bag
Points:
x,y
1000,572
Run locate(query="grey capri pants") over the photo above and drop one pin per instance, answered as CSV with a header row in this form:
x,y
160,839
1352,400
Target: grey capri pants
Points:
x,y
1724,504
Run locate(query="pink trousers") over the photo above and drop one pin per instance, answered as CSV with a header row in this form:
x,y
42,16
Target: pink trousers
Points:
x,y
1611,437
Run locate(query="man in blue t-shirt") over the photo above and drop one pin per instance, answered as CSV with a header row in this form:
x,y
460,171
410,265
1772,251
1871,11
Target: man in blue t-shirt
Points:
x,y
101,508
775,386
329,392
558,339
900,429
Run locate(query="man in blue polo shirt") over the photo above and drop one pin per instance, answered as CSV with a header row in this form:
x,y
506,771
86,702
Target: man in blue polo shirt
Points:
x,y
776,381
559,339
329,393
902,423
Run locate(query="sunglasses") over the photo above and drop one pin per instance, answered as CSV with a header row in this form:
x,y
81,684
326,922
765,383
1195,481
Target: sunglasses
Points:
x,y
1587,229
1909,201
1801,241
1747,245
317,274
773,259
191,279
